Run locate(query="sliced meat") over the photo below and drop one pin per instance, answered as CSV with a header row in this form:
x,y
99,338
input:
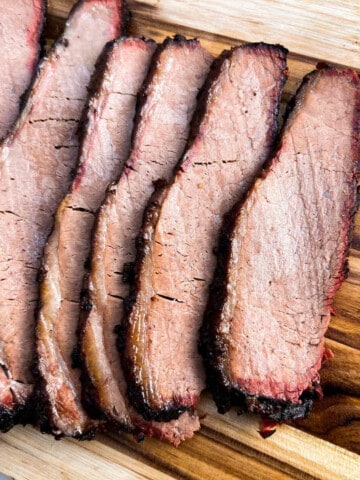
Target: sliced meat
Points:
x,y
167,105
104,149
283,257
21,25
176,260
36,162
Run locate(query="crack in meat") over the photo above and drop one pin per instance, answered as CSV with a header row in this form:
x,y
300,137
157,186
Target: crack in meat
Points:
x,y
35,177
167,103
284,256
105,147
180,230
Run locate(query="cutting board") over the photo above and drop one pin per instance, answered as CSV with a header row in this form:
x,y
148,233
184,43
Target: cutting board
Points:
x,y
325,446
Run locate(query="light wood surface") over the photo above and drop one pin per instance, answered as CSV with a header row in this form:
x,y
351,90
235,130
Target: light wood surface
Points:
x,y
327,444
305,26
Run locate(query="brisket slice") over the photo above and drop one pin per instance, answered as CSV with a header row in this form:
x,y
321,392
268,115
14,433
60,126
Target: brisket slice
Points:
x,y
21,24
166,107
284,256
176,260
36,164
104,148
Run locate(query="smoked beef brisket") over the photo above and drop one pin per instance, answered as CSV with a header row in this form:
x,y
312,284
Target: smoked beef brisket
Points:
x,y
104,148
176,261
21,24
36,166
284,255
161,130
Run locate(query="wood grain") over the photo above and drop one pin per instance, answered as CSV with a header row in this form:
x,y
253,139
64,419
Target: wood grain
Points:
x,y
229,447
26,454
335,418
292,448
303,26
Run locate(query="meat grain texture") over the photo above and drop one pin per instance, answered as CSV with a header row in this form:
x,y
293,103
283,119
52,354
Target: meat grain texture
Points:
x,y
104,148
176,261
162,126
21,25
37,161
284,257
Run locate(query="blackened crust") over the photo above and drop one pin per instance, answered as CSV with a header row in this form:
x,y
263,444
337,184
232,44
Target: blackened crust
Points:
x,y
90,398
38,412
89,394
94,87
42,37
135,393
11,417
213,350
272,409
40,402
134,389
21,413
125,18
211,346
175,407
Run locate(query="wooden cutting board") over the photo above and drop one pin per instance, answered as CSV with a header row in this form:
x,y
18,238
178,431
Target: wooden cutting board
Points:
x,y
325,446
